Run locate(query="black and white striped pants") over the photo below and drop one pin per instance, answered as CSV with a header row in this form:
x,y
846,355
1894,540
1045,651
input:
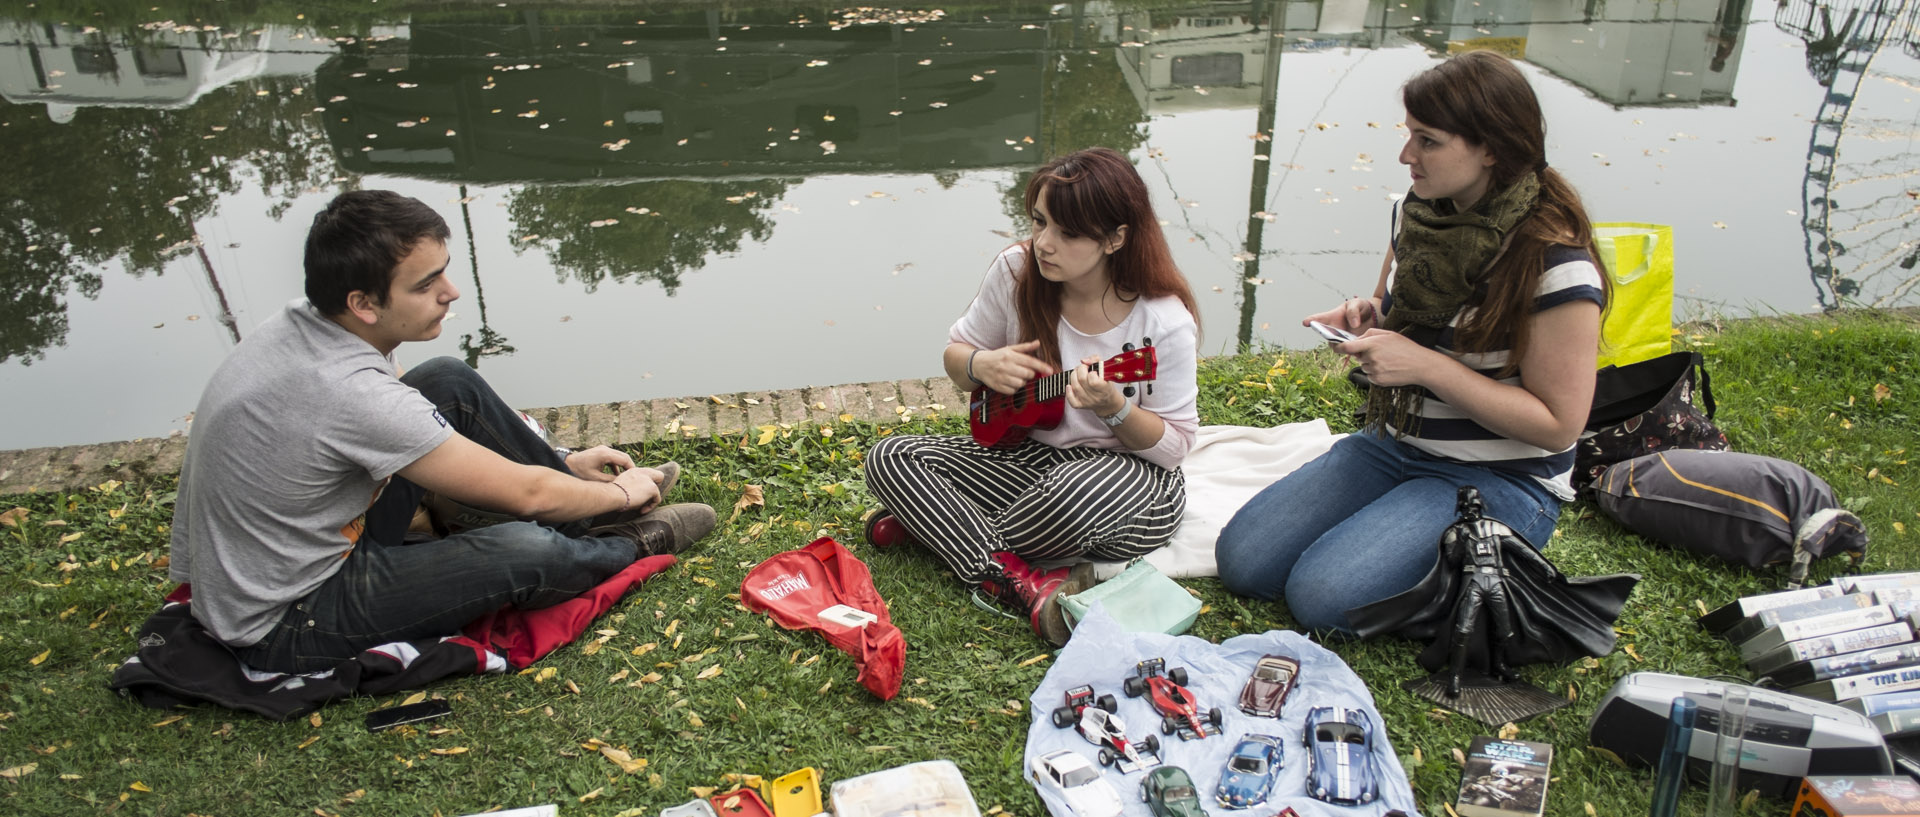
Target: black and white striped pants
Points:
x,y
963,500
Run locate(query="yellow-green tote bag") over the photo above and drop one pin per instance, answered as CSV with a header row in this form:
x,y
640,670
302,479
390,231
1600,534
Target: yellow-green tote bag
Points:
x,y
1639,260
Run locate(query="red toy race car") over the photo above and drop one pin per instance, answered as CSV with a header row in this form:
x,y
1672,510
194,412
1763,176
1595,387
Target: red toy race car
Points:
x,y
1096,722
1167,691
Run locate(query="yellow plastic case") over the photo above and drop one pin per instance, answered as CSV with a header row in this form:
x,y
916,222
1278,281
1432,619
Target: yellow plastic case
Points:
x,y
795,794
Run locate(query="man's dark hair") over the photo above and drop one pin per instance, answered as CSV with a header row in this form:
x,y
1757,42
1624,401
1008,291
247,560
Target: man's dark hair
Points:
x,y
358,240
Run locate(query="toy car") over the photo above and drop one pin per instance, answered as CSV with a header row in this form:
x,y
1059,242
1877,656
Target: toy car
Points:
x,y
1168,792
1249,772
1167,691
1340,756
1095,719
1266,692
1079,698
1078,782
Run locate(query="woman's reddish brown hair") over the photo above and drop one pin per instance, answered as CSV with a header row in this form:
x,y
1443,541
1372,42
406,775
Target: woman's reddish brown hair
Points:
x,y
1093,193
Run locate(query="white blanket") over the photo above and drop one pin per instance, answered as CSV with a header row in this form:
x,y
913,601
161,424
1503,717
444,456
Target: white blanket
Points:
x,y
1225,468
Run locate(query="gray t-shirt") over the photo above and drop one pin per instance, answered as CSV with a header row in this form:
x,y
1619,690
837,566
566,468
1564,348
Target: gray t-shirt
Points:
x,y
296,434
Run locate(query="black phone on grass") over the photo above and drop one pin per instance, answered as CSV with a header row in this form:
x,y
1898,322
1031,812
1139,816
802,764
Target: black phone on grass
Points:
x,y
384,719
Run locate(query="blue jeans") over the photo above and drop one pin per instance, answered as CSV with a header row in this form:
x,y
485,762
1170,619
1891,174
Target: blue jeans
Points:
x,y
389,590
1362,523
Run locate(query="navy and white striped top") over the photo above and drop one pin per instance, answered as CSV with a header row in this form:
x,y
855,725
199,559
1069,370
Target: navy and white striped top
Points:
x,y
1446,432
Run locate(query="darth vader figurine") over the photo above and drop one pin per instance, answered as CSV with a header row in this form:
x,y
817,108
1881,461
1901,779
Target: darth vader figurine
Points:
x,y
1479,546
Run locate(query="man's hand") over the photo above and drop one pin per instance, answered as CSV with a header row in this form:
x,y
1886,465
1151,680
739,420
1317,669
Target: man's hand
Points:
x,y
592,463
642,484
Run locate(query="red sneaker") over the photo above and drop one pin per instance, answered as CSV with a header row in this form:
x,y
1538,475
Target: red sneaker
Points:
x,y
1036,593
884,530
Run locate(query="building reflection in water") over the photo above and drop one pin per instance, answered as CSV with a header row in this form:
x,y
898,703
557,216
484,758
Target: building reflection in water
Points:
x,y
636,152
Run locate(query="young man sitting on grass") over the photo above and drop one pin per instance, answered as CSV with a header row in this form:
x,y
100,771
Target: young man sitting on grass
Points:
x,y
310,453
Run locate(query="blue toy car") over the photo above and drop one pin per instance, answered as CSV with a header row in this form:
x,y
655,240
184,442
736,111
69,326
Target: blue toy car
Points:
x,y
1340,756
1250,770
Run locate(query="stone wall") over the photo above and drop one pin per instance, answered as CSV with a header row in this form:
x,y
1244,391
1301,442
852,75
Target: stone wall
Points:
x,y
627,423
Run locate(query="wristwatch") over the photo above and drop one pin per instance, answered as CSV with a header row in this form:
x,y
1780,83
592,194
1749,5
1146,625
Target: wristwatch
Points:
x,y
1115,419
563,451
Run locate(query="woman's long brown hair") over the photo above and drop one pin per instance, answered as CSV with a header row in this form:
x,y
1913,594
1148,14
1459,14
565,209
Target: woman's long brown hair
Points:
x,y
1093,193
1482,97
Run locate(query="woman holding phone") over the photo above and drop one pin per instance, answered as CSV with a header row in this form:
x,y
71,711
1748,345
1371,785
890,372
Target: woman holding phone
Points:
x,y
1478,346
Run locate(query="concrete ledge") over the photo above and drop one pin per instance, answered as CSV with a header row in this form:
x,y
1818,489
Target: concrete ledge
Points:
x,y
71,467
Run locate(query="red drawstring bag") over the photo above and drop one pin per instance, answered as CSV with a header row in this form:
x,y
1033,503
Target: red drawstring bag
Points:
x,y
797,586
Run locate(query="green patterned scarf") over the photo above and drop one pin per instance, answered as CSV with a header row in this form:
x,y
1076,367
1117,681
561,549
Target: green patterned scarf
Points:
x,y
1441,259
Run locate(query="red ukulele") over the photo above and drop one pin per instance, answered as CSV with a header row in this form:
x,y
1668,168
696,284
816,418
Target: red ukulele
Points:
x,y
1002,420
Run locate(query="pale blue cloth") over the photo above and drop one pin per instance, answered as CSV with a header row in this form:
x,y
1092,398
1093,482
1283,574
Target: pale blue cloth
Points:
x,y
1101,655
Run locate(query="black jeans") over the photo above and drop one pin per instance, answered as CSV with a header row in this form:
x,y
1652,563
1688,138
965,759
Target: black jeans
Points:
x,y
388,590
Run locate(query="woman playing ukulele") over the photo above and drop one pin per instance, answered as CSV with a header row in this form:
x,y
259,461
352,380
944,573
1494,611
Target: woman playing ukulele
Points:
x,y
1094,281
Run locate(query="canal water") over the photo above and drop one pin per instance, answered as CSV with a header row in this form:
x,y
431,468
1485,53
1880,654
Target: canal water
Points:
x,y
681,200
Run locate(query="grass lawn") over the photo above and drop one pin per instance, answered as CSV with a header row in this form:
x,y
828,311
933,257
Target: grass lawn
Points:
x,y
81,570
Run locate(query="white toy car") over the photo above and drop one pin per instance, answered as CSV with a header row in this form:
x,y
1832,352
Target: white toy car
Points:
x,y
1077,781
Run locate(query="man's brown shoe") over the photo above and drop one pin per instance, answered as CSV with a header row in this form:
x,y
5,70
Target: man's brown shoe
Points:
x,y
666,530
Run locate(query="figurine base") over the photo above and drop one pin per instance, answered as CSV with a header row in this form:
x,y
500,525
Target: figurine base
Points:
x,y
1488,700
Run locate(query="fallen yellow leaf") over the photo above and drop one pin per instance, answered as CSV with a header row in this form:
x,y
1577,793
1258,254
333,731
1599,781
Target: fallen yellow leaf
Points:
x,y
139,786
314,719
38,659
18,772
71,536
673,626
308,742
592,794
415,698
451,750
1508,731
618,676
165,721
708,673
544,674
13,518
626,762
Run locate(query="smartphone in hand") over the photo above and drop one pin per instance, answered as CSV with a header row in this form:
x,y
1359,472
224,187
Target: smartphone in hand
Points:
x,y
1332,334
